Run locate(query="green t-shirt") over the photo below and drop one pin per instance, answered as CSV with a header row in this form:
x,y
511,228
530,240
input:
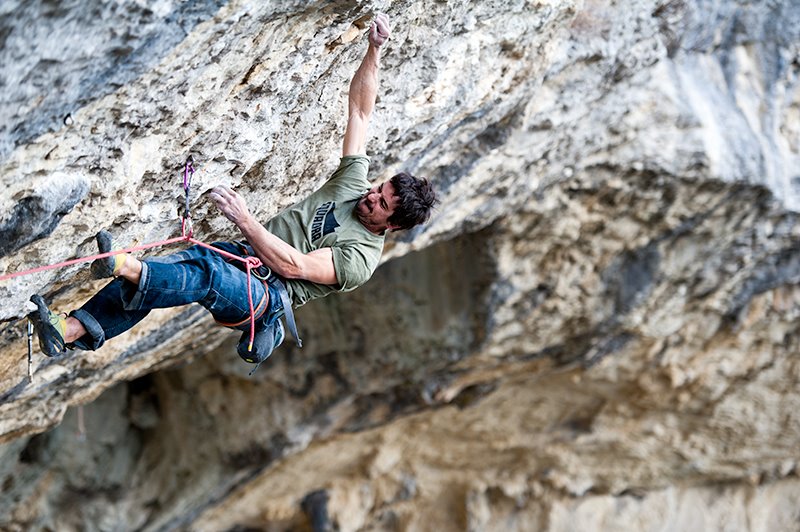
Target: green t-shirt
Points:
x,y
327,219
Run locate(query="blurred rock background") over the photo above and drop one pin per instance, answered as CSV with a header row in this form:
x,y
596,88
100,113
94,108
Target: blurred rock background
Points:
x,y
598,330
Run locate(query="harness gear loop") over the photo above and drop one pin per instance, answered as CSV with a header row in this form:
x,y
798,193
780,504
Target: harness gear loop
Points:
x,y
263,276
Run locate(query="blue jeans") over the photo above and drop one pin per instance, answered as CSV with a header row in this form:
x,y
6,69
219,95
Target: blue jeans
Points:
x,y
196,274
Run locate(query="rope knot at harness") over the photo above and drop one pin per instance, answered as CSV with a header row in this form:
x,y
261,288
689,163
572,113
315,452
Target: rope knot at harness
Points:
x,y
253,262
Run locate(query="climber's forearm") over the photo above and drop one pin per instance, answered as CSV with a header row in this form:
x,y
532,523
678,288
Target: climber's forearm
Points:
x,y
279,256
361,102
364,86
284,259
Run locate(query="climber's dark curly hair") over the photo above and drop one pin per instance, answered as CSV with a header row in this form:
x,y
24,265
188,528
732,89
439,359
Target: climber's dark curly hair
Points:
x,y
416,199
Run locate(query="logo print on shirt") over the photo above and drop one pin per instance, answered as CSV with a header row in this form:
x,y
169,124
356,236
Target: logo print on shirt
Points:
x,y
324,221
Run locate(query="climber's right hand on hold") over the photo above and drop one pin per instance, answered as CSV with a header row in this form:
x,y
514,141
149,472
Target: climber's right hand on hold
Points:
x,y
232,205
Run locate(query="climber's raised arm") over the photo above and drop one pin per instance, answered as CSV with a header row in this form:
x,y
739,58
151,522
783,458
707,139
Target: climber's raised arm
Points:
x,y
364,89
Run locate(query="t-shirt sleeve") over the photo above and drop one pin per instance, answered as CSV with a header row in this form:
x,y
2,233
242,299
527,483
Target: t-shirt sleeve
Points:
x,y
352,169
352,267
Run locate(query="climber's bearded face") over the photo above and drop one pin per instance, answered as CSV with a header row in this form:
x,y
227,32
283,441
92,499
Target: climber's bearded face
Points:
x,y
376,206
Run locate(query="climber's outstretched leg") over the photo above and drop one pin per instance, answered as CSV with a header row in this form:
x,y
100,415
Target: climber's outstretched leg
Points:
x,y
196,274
56,332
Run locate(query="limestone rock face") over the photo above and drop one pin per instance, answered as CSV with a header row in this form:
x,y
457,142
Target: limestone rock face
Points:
x,y
598,329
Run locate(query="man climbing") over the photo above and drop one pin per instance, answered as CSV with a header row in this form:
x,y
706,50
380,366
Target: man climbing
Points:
x,y
329,242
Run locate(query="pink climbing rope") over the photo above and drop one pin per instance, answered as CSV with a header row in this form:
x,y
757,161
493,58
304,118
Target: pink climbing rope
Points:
x,y
186,236
91,257
250,263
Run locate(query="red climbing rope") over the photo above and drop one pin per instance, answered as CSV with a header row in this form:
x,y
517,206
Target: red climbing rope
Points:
x,y
186,236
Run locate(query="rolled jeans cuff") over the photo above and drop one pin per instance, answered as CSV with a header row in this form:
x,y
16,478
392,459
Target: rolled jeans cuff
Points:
x,y
95,336
132,299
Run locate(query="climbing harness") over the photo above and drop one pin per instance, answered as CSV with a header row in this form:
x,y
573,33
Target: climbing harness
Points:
x,y
270,279
251,263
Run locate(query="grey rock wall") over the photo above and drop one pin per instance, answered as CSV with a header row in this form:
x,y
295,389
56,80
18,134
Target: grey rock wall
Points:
x,y
597,330
61,56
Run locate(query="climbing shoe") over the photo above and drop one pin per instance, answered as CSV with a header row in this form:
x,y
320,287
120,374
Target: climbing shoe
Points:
x,y
50,327
265,341
109,266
